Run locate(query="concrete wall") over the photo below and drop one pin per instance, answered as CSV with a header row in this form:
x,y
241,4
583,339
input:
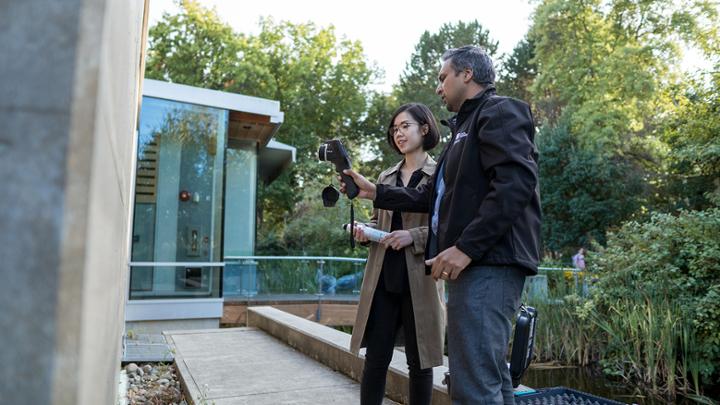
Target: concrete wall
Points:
x,y
70,76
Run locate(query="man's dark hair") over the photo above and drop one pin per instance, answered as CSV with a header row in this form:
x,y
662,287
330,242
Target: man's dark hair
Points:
x,y
475,59
423,116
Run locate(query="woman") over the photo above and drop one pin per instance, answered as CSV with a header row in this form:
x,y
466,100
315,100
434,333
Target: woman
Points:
x,y
579,259
397,299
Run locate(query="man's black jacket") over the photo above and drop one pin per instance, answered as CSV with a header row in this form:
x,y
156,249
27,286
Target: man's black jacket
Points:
x,y
491,206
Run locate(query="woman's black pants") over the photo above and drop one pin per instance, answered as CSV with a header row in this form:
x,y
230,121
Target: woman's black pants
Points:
x,y
390,311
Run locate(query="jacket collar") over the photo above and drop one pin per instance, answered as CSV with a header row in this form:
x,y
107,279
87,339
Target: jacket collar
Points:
x,y
428,166
471,103
468,106
450,123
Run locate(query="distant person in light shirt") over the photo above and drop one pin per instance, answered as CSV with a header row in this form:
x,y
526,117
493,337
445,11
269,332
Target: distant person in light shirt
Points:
x,y
579,260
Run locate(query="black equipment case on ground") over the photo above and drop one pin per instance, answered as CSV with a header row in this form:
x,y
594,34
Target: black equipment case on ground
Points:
x,y
562,396
523,341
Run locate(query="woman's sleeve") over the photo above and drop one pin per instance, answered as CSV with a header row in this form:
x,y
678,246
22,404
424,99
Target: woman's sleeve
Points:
x,y
419,238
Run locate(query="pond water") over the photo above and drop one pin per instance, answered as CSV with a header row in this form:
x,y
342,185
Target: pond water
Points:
x,y
583,379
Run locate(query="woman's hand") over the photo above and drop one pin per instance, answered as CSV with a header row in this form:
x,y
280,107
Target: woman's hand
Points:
x,y
359,235
397,239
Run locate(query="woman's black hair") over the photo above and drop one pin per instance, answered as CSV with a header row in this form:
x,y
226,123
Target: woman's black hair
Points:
x,y
422,114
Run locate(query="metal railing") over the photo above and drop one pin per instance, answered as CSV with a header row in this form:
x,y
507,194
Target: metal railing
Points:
x,y
555,283
292,277
287,278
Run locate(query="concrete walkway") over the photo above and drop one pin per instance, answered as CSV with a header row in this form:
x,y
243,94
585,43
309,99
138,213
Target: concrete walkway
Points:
x,y
146,347
248,366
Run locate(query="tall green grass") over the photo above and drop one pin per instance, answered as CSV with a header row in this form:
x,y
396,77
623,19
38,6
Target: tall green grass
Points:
x,y
642,341
647,341
563,336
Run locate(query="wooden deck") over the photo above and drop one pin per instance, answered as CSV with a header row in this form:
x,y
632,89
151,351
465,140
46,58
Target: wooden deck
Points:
x,y
335,310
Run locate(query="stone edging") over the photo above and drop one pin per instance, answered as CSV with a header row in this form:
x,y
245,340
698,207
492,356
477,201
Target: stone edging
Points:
x,y
331,347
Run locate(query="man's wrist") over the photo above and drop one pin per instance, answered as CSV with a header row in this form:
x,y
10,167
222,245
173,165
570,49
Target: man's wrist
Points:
x,y
374,192
461,249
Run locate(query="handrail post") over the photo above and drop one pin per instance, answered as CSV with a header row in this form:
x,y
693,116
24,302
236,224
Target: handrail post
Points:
x,y
356,265
320,273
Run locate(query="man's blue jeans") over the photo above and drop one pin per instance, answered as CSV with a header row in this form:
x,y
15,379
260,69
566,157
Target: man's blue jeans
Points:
x,y
481,304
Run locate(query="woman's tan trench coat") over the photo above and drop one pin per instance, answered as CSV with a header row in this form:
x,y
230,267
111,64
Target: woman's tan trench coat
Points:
x,y
427,295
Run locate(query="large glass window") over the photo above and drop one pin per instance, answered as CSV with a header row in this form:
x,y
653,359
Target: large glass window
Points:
x,y
240,278
178,201
240,196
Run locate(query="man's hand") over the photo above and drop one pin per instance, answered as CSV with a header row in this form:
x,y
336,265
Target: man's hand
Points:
x,y
367,189
397,239
448,264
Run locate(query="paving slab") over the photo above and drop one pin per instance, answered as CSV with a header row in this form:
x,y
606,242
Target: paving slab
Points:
x,y
146,348
248,366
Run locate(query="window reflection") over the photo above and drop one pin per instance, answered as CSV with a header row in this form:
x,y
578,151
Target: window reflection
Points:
x,y
178,199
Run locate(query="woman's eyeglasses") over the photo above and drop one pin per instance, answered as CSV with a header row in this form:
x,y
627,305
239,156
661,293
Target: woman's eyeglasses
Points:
x,y
403,127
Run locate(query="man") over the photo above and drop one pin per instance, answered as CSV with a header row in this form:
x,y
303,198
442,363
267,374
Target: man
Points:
x,y
485,221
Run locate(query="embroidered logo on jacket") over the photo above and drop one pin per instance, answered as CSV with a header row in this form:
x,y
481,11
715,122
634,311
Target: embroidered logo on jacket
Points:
x,y
459,136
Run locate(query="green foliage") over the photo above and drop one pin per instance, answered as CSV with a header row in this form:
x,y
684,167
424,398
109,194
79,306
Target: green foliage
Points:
x,y
607,73
652,319
518,73
583,193
670,263
644,341
193,47
564,332
692,134
319,80
316,230
320,83
379,155
605,65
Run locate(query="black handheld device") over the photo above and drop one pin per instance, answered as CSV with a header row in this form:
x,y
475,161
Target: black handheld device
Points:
x,y
334,151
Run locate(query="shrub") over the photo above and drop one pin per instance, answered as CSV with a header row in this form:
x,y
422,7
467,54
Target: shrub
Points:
x,y
664,274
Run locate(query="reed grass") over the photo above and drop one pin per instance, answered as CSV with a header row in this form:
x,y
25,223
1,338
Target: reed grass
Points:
x,y
642,341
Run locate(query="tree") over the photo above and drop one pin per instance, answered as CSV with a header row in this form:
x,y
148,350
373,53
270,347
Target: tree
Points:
x,y
321,84
583,194
378,155
518,72
193,47
606,65
693,159
607,71
320,81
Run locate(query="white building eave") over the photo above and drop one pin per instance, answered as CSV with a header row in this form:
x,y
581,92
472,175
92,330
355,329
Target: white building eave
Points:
x,y
213,98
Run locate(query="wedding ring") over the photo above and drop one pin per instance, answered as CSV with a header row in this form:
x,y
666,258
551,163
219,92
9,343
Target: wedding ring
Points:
x,y
445,273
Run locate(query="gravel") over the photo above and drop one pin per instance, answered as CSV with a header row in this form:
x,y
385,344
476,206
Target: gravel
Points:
x,y
154,384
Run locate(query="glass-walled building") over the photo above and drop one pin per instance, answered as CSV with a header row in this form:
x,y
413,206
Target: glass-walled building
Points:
x,y
200,154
